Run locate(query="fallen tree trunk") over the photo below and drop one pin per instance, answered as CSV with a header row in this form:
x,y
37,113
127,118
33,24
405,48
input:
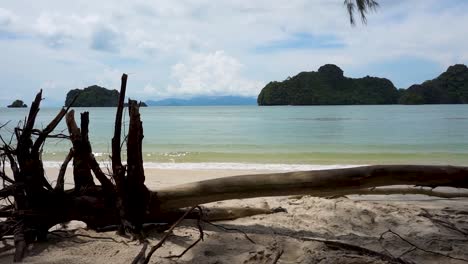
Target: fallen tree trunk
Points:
x,y
322,183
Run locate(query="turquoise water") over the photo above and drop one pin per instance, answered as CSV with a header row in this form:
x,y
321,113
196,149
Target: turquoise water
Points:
x,y
427,134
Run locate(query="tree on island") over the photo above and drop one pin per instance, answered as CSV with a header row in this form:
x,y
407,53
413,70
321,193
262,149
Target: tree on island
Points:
x,y
17,104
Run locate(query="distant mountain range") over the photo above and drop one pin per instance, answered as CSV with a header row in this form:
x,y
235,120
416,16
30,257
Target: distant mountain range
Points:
x,y
205,101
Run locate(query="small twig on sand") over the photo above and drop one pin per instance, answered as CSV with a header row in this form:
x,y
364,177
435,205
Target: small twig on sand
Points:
x,y
418,247
230,229
200,238
278,256
87,236
141,256
445,224
361,250
168,233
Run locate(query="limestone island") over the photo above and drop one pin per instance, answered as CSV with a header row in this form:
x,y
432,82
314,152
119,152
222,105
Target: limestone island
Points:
x,y
328,86
94,96
17,104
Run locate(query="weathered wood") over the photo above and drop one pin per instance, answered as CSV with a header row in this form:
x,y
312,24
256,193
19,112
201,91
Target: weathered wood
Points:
x,y
29,179
410,190
29,124
5,178
118,170
81,149
316,183
60,185
137,193
51,126
102,178
20,242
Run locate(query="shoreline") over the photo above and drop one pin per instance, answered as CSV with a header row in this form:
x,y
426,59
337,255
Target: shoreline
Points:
x,y
280,167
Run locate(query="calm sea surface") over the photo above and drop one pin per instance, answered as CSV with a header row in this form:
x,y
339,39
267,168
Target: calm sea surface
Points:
x,y
313,135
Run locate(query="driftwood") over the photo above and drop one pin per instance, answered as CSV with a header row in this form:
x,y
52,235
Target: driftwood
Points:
x,y
316,183
123,199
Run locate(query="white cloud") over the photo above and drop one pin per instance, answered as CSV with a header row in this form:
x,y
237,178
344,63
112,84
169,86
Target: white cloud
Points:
x,y
6,18
214,73
58,29
105,39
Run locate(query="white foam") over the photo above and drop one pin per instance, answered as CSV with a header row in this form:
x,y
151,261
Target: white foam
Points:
x,y
225,166
244,166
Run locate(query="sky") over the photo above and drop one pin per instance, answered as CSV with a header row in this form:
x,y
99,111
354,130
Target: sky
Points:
x,y
184,48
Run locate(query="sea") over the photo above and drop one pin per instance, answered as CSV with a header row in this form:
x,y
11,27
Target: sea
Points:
x,y
272,137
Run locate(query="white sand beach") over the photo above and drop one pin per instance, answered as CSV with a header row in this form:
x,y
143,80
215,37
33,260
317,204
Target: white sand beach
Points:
x,y
433,224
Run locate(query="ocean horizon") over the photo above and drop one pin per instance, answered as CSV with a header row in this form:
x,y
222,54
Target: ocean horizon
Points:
x,y
274,137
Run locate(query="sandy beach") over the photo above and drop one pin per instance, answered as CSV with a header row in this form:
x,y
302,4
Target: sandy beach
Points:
x,y
294,236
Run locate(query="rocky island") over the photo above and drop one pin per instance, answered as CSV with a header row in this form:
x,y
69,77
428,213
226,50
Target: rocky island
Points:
x,y
451,87
93,96
328,86
17,104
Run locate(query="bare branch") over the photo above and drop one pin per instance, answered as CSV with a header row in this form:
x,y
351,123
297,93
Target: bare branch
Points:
x,y
29,124
116,159
418,247
61,176
200,238
409,190
164,238
50,127
102,178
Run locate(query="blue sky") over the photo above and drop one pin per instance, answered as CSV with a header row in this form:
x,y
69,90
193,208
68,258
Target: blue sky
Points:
x,y
186,48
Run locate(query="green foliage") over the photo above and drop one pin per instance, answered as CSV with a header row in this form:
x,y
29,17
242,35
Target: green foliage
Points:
x,y
17,104
328,86
451,87
93,96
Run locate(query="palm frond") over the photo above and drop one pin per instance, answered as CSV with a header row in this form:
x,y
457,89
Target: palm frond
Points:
x,y
362,6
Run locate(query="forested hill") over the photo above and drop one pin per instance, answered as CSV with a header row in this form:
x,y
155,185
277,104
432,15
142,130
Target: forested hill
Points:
x,y
328,86
451,87
93,96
